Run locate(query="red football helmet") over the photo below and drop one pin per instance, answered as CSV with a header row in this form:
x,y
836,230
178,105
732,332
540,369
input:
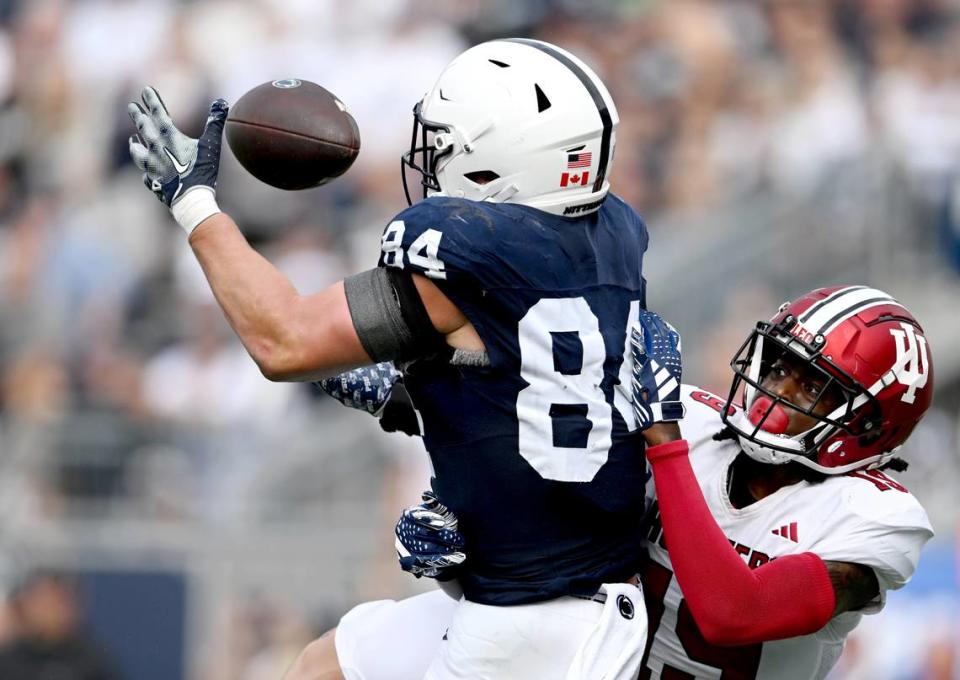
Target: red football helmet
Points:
x,y
869,349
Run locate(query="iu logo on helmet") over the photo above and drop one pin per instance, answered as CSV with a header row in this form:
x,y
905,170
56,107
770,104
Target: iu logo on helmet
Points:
x,y
912,367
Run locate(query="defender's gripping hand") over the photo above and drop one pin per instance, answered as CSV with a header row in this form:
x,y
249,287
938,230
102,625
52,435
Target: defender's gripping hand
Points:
x,y
368,388
379,391
428,543
179,170
657,369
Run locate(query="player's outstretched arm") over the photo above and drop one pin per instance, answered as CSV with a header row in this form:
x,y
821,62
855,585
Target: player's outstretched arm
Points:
x,y
290,336
270,317
301,337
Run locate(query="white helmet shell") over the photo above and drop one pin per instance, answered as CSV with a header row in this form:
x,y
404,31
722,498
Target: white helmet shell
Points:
x,y
519,121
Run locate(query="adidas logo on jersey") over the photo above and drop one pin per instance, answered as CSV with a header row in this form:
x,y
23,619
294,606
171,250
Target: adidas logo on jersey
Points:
x,y
788,531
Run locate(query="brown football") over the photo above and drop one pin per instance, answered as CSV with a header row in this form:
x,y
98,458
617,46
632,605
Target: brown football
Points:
x,y
292,134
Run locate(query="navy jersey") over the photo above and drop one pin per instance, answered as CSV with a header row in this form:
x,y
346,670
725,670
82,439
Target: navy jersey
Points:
x,y
537,453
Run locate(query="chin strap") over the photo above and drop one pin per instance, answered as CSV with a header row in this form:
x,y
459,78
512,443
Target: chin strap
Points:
x,y
731,603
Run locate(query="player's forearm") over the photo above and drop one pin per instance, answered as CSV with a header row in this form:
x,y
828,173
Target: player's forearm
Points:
x,y
661,433
260,303
731,603
253,294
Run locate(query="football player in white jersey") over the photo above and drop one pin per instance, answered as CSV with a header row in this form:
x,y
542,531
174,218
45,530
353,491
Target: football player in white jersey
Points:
x,y
783,529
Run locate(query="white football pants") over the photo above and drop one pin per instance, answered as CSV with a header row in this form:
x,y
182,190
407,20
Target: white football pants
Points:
x,y
433,637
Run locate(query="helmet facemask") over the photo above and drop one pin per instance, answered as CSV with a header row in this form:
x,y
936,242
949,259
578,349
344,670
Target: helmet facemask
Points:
x,y
425,133
763,410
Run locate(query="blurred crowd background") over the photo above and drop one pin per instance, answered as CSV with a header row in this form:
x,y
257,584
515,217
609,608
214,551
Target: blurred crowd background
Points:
x,y
166,513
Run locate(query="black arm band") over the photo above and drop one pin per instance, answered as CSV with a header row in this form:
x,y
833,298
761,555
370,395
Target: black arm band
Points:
x,y
389,315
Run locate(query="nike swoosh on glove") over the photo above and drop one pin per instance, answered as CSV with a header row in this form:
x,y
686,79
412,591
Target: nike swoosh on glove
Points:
x,y
179,170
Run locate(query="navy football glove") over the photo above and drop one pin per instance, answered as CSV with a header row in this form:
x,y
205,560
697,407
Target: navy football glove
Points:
x,y
657,369
379,391
179,170
428,543
367,388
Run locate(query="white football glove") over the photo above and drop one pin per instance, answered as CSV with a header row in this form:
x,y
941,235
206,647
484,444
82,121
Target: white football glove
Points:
x,y
179,170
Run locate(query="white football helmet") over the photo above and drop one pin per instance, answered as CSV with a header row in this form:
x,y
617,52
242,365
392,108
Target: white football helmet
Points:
x,y
519,121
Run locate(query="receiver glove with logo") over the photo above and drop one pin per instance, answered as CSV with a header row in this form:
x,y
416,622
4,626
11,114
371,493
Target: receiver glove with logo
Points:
x,y
378,390
179,170
428,543
657,368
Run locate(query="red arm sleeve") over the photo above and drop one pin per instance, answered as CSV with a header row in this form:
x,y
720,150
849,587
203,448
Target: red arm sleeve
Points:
x,y
731,603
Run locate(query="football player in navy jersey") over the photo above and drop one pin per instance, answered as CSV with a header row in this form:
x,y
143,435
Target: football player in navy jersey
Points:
x,y
505,294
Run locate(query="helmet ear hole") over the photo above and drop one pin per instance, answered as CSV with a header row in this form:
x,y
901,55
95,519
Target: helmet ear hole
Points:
x,y
870,437
481,177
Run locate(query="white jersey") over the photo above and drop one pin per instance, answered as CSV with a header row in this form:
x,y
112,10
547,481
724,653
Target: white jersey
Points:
x,y
861,517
